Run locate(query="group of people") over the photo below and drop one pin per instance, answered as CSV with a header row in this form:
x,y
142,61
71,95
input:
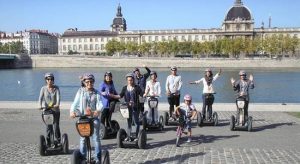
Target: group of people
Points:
x,y
100,103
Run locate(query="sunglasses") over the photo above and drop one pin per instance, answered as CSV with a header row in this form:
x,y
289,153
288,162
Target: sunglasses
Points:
x,y
89,82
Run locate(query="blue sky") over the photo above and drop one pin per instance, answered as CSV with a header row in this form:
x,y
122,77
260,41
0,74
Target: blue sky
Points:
x,y
58,15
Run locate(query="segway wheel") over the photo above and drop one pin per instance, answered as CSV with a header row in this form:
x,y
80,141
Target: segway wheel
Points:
x,y
232,123
116,127
144,123
215,117
199,119
161,123
142,139
166,118
76,157
65,143
42,145
105,157
249,124
103,131
121,137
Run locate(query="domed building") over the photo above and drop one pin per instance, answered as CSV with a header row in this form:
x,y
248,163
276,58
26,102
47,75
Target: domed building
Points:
x,y
238,22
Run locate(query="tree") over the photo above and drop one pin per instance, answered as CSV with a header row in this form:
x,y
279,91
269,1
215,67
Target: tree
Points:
x,y
145,48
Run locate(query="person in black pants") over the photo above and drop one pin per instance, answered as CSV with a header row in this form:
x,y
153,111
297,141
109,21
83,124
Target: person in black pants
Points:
x,y
140,80
173,86
131,93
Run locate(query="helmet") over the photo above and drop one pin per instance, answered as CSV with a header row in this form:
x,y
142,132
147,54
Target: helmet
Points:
x,y
129,75
48,74
188,97
153,73
108,74
88,76
242,73
173,68
208,70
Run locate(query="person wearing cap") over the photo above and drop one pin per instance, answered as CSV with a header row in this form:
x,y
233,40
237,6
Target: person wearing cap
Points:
x,y
208,91
140,80
242,87
87,102
189,111
108,94
50,95
131,93
173,86
153,89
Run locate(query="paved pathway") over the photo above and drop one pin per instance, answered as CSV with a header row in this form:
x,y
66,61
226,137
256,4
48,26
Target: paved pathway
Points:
x,y
275,139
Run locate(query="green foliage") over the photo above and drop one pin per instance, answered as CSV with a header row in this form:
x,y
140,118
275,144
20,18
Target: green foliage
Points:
x,y
13,48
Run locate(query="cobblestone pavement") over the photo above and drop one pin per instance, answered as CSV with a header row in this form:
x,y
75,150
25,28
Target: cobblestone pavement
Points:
x,y
275,139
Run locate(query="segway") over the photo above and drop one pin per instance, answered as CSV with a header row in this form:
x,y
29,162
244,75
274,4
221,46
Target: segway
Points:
x,y
240,123
85,128
207,121
141,141
54,146
147,123
109,130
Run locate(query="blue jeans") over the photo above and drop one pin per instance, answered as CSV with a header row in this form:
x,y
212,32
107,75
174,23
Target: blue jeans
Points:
x,y
133,114
96,139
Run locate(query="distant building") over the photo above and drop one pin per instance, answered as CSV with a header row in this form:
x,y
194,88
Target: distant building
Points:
x,y
34,41
238,22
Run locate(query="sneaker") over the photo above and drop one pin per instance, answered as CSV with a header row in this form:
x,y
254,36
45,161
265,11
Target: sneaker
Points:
x,y
135,140
127,139
189,140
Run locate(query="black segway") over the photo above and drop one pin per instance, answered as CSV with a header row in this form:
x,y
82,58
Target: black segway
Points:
x,y
141,141
240,123
207,121
85,128
54,146
147,123
109,130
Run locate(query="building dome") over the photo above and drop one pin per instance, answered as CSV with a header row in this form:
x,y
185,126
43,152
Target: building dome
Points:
x,y
238,11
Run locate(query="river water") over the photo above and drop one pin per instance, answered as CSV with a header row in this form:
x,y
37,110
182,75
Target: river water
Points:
x,y
271,85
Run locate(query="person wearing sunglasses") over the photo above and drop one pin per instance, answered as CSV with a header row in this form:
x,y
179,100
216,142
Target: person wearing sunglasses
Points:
x,y
50,95
87,102
108,98
242,87
131,93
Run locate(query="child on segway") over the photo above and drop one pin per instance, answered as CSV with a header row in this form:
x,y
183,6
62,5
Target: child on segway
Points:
x,y
186,112
131,93
87,102
153,91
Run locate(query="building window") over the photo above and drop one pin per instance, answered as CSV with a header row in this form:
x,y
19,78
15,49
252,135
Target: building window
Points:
x,y
84,40
189,38
96,46
74,47
69,47
64,48
79,40
74,40
91,39
69,40
64,40
102,39
203,37
102,46
196,37
149,38
182,38
85,47
91,47
80,47
96,39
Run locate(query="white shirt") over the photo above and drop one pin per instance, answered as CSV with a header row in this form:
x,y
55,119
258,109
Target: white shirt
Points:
x,y
173,83
153,88
207,88
187,108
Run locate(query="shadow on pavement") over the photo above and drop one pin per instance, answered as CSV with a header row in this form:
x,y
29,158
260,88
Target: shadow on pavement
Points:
x,y
212,138
177,159
271,126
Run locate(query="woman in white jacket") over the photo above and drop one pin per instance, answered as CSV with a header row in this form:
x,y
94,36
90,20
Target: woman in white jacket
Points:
x,y
153,89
